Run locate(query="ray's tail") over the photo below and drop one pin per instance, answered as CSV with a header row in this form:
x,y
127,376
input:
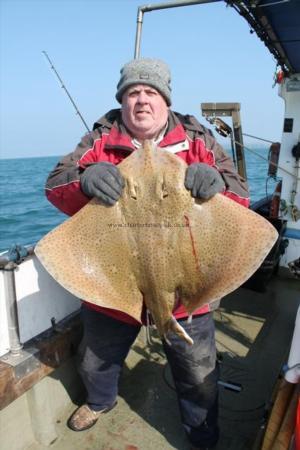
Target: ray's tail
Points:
x,y
175,327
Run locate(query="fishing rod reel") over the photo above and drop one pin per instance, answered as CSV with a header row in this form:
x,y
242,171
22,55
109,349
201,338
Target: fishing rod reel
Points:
x,y
212,113
220,126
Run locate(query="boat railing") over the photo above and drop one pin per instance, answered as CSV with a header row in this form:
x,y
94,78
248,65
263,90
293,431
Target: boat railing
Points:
x,y
8,264
31,302
40,323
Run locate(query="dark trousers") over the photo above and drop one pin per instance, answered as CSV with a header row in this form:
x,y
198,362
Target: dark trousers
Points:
x,y
105,345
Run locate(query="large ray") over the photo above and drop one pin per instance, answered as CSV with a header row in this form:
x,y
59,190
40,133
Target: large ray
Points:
x,y
157,243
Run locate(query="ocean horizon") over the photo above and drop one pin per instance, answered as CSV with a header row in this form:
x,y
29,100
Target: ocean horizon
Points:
x,y
26,215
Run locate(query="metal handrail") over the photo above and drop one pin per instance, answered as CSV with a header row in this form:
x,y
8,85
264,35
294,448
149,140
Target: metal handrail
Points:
x,y
8,263
16,254
154,7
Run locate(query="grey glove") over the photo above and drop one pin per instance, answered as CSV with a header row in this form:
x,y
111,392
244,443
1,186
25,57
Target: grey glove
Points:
x,y
203,181
104,181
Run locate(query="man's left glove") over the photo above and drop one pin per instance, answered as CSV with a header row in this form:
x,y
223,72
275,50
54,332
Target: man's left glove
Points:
x,y
203,181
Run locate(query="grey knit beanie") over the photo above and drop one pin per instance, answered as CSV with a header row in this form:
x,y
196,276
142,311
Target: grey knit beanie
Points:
x,y
152,72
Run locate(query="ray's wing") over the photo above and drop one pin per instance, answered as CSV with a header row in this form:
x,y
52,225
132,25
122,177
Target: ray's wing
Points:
x,y
89,255
92,253
224,245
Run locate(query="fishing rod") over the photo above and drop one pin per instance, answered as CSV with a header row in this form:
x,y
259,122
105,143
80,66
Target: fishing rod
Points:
x,y
66,90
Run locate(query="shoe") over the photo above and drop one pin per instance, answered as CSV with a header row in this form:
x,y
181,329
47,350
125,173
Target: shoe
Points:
x,y
84,417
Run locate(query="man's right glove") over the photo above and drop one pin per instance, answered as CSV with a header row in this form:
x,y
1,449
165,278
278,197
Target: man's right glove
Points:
x,y
104,181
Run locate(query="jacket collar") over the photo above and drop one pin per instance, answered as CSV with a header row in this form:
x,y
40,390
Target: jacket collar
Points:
x,y
118,137
175,132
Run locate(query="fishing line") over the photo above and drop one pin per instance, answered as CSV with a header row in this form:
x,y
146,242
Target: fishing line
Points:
x,y
266,159
256,137
224,130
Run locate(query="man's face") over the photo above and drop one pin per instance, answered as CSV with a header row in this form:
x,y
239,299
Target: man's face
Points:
x,y
144,111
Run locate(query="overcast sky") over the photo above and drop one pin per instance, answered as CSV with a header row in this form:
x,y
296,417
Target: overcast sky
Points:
x,y
209,48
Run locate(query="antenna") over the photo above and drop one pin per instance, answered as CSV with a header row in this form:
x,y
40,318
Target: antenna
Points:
x,y
66,90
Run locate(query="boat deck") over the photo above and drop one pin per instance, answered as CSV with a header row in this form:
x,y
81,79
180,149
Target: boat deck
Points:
x,y
253,332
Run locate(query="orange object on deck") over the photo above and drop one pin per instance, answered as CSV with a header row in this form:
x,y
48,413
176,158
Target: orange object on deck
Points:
x,y
297,430
282,427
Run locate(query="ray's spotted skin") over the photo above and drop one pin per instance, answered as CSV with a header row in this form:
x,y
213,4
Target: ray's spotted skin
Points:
x,y
156,241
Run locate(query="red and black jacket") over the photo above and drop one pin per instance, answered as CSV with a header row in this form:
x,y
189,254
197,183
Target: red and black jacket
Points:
x,y
109,141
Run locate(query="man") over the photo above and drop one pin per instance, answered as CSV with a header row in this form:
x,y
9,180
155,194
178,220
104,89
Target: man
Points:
x,y
91,170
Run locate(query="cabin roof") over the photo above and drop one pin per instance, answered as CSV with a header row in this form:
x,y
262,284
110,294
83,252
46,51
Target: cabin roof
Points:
x,y
277,24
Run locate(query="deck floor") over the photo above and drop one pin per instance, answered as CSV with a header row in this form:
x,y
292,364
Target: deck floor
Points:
x,y
253,332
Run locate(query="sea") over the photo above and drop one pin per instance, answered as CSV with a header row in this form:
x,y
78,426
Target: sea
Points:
x,y
26,215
